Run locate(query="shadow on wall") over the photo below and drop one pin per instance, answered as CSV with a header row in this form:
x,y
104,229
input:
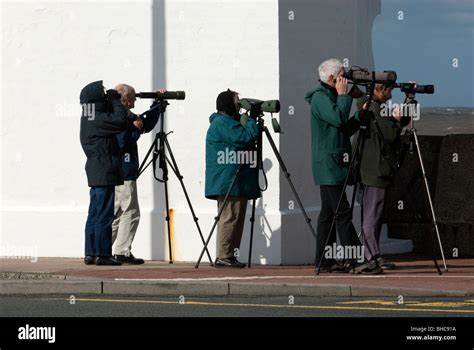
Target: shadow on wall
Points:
x,y
158,246
266,230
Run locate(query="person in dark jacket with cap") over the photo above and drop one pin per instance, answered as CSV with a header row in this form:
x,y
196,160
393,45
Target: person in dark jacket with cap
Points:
x,y
377,169
103,117
227,135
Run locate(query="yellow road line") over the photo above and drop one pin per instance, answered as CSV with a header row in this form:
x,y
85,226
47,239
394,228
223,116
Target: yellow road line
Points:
x,y
316,307
411,303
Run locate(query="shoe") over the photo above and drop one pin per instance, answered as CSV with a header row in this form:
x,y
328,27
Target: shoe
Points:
x,y
342,267
370,268
107,261
229,262
89,260
129,259
385,264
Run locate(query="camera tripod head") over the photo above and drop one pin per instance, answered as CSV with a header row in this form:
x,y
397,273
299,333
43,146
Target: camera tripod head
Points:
x,y
258,107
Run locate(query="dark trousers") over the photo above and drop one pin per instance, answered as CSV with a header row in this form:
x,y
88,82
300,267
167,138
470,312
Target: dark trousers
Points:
x,y
346,231
372,210
99,221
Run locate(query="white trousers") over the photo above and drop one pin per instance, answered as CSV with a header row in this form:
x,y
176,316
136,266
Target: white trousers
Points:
x,y
127,217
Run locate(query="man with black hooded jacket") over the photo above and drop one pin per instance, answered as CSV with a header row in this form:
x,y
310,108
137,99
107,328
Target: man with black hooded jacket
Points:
x,y
103,117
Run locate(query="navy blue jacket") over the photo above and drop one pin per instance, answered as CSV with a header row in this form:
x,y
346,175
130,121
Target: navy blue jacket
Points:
x,y
101,121
128,143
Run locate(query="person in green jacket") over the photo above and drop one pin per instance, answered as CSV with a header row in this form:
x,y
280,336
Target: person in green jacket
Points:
x,y
230,145
377,168
331,150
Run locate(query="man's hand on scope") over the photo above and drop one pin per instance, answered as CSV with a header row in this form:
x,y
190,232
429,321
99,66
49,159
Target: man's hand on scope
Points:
x,y
397,113
341,86
138,123
162,105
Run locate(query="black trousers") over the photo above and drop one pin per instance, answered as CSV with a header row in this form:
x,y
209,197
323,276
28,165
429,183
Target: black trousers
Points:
x,y
345,230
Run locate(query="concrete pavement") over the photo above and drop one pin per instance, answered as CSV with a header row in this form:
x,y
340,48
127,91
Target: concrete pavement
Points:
x,y
414,276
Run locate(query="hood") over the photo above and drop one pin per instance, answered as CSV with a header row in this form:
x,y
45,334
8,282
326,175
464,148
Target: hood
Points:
x,y
309,94
92,93
213,116
225,103
323,87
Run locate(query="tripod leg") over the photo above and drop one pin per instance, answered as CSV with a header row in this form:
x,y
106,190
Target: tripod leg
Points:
x,y
160,158
358,235
433,255
418,217
174,167
252,222
217,218
143,166
288,178
428,194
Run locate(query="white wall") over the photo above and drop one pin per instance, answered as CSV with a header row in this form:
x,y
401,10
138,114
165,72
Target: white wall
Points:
x,y
212,46
50,50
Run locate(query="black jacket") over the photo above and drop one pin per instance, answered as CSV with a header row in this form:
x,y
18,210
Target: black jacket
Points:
x,y
101,121
128,143
378,164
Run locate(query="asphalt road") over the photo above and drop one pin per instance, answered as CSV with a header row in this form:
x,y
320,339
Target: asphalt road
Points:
x,y
118,306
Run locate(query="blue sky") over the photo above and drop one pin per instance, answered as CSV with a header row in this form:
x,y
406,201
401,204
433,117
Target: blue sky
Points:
x,y
423,45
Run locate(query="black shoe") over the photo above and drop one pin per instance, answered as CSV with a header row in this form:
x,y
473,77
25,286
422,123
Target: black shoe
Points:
x,y
109,261
129,259
229,262
89,260
370,268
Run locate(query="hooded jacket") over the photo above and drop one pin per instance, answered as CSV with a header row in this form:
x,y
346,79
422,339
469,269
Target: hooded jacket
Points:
x,y
226,136
101,121
330,143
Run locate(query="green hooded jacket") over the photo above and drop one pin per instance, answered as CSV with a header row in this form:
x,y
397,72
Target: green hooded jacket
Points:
x,y
330,145
225,137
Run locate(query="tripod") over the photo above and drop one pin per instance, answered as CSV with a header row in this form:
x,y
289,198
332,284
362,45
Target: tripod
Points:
x,y
161,148
414,138
354,168
261,129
